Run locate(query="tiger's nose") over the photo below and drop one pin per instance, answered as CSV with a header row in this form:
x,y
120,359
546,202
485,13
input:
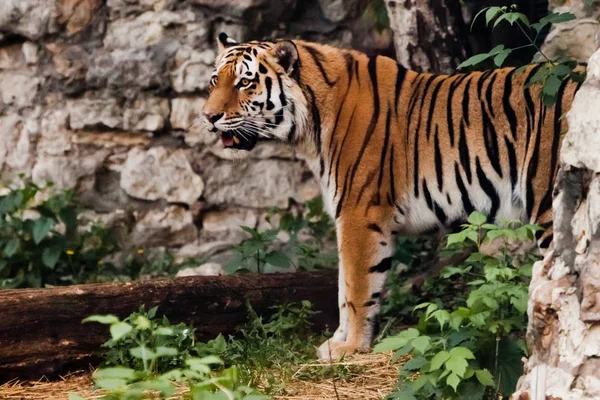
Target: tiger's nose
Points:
x,y
213,117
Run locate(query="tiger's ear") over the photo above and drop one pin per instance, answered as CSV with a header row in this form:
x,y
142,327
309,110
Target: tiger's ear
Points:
x,y
224,41
286,54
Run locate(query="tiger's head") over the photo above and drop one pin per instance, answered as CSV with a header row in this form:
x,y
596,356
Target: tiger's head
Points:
x,y
254,94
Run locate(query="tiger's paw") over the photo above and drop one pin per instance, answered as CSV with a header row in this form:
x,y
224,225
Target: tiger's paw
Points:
x,y
333,350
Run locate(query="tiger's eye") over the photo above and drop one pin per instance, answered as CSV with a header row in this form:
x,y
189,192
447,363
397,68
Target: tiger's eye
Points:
x,y
244,82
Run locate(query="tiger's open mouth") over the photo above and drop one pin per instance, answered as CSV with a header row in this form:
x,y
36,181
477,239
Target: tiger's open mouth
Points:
x,y
235,139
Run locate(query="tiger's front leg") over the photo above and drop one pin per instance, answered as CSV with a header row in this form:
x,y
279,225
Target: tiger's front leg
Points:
x,y
365,247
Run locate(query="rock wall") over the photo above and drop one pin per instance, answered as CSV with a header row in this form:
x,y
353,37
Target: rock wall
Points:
x,y
563,333
579,38
104,96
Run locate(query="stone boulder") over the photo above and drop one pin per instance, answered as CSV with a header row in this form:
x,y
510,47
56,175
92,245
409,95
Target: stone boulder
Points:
x,y
160,173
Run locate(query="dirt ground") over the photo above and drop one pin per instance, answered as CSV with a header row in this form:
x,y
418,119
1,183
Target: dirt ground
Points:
x,y
367,377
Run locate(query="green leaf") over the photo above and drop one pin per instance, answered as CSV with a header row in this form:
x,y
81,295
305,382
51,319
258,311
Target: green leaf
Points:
x,y
421,344
501,57
552,85
484,377
442,316
103,319
557,18
389,344
415,363
457,365
475,60
438,360
453,381
41,228
50,256
142,352
277,259
120,329
197,365
476,218
11,247
561,70
142,323
163,331
115,373
111,383
163,351
491,13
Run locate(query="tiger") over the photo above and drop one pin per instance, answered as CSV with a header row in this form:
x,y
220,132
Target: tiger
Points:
x,y
394,151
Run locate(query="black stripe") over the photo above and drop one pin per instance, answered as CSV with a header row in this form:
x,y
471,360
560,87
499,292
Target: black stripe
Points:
x,y
546,242
449,115
466,99
438,160
464,194
489,189
282,98
318,57
490,140
374,227
463,150
366,184
372,68
343,196
532,166
416,145
432,107
546,202
384,151
392,188
383,266
439,213
316,124
488,95
530,109
337,168
428,199
369,303
333,150
508,109
375,295
269,84
512,161
400,75
349,64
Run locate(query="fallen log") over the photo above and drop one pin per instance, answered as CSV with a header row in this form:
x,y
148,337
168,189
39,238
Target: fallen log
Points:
x,y
41,333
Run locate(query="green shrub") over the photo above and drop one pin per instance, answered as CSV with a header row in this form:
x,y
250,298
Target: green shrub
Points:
x,y
147,356
264,252
472,351
48,249
554,69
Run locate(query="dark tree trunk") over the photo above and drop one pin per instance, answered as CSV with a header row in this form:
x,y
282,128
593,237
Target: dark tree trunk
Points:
x,y
429,35
41,331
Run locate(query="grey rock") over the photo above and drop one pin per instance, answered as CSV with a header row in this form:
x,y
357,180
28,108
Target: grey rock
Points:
x,y
30,18
94,112
171,226
339,10
19,88
160,173
208,269
255,183
146,114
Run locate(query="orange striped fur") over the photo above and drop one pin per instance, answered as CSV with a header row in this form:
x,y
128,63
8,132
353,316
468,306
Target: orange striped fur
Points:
x,y
394,151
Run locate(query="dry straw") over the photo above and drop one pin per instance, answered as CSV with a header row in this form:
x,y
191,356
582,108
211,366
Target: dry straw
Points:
x,y
370,377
